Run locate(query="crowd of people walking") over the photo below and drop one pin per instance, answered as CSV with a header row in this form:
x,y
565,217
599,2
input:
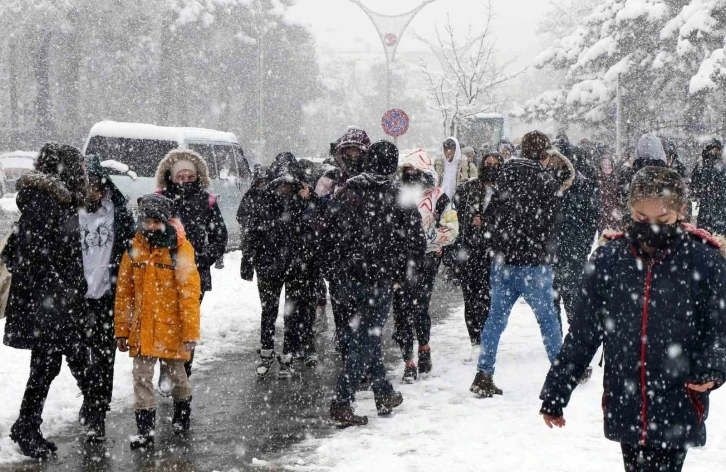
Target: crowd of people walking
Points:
x,y
373,230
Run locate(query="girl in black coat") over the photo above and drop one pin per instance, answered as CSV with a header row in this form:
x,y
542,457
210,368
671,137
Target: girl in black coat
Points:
x,y
654,297
45,311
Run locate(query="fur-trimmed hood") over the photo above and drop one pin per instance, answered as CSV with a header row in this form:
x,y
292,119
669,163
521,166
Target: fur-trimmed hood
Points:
x,y
163,177
571,169
49,184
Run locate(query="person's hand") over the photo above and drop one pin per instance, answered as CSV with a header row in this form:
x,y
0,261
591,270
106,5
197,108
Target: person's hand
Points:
x,y
122,344
305,192
701,388
477,221
551,421
396,286
189,346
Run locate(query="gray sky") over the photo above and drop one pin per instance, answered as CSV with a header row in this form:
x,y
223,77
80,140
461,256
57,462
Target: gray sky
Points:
x,y
340,26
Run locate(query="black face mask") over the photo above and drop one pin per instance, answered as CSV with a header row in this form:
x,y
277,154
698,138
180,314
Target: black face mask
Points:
x,y
655,235
157,237
489,174
187,188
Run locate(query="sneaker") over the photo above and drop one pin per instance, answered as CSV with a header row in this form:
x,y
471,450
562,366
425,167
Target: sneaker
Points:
x,y
387,403
267,359
424,361
484,386
410,374
286,371
343,415
585,375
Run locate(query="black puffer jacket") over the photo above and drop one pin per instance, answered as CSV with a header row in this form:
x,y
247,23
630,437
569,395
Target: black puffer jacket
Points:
x,y
367,236
46,302
662,321
527,206
708,186
251,204
473,198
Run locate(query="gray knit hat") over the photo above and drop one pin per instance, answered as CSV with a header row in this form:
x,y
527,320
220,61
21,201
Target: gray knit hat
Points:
x,y
156,207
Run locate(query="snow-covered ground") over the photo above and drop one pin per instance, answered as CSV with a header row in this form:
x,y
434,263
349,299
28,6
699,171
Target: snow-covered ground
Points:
x,y
441,426
229,313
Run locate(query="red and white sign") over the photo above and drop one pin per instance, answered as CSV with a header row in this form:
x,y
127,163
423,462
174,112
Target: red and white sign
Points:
x,y
390,40
395,122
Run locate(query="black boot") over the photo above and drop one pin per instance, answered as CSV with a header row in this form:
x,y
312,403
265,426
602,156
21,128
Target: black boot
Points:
x,y
386,403
424,361
145,422
484,386
182,416
342,415
28,437
96,422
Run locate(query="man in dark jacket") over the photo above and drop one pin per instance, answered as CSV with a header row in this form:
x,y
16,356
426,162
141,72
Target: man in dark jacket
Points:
x,y
45,311
653,296
183,177
708,187
674,162
528,198
281,245
369,240
249,206
107,228
476,206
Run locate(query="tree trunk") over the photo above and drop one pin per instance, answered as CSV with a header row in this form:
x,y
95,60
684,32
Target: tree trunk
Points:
x,y
165,85
72,84
13,83
41,66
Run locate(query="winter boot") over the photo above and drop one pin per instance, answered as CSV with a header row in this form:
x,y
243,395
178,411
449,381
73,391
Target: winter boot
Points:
x,y
484,386
311,357
286,371
267,359
343,415
424,360
182,416
585,375
30,440
386,403
145,422
96,423
410,373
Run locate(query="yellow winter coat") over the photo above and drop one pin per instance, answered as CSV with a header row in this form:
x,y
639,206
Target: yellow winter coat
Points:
x,y
157,301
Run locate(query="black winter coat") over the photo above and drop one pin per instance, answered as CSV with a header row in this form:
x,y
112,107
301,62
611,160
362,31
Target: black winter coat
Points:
x,y
367,236
471,201
250,205
204,226
45,307
124,227
708,186
527,206
280,238
662,321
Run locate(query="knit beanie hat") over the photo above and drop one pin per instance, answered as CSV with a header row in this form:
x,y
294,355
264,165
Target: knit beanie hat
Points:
x,y
155,206
710,146
180,165
534,144
383,157
353,137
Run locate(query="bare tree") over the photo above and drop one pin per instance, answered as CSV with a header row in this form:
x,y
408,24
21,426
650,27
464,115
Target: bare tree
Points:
x,y
471,77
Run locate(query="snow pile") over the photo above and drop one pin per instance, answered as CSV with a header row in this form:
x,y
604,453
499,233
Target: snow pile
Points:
x,y
441,426
226,320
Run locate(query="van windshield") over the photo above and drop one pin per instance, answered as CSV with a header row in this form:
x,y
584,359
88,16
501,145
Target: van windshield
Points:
x,y
141,155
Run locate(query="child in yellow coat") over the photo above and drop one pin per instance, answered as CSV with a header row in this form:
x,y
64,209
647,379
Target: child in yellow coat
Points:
x,y
157,312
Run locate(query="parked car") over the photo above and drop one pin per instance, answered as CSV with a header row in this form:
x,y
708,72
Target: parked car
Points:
x,y
14,165
142,146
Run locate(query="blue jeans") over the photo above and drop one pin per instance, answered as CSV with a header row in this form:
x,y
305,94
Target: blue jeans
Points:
x,y
369,307
534,284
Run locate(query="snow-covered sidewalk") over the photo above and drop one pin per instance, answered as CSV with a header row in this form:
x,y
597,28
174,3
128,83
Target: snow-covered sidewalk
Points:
x,y
230,313
441,426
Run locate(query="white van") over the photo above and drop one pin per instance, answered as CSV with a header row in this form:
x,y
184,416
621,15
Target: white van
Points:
x,y
141,147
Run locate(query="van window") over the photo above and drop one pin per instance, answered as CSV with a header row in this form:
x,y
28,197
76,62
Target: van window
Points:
x,y
242,167
207,152
142,155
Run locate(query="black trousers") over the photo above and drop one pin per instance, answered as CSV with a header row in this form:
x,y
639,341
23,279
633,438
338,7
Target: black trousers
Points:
x,y
411,306
652,458
299,311
100,351
476,289
342,313
45,365
566,283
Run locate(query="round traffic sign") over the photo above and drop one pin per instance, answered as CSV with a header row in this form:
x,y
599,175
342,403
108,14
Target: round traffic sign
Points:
x,y
390,39
395,122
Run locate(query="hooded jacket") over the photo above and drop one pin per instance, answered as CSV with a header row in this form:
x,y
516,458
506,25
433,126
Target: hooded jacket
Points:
x,y
157,297
46,302
197,210
708,186
464,169
438,217
367,236
662,322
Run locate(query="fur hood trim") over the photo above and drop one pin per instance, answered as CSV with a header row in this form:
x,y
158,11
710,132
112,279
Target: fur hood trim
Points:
x,y
163,179
573,173
45,183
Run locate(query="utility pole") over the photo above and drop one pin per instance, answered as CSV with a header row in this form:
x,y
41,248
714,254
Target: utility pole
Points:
x,y
618,119
261,32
